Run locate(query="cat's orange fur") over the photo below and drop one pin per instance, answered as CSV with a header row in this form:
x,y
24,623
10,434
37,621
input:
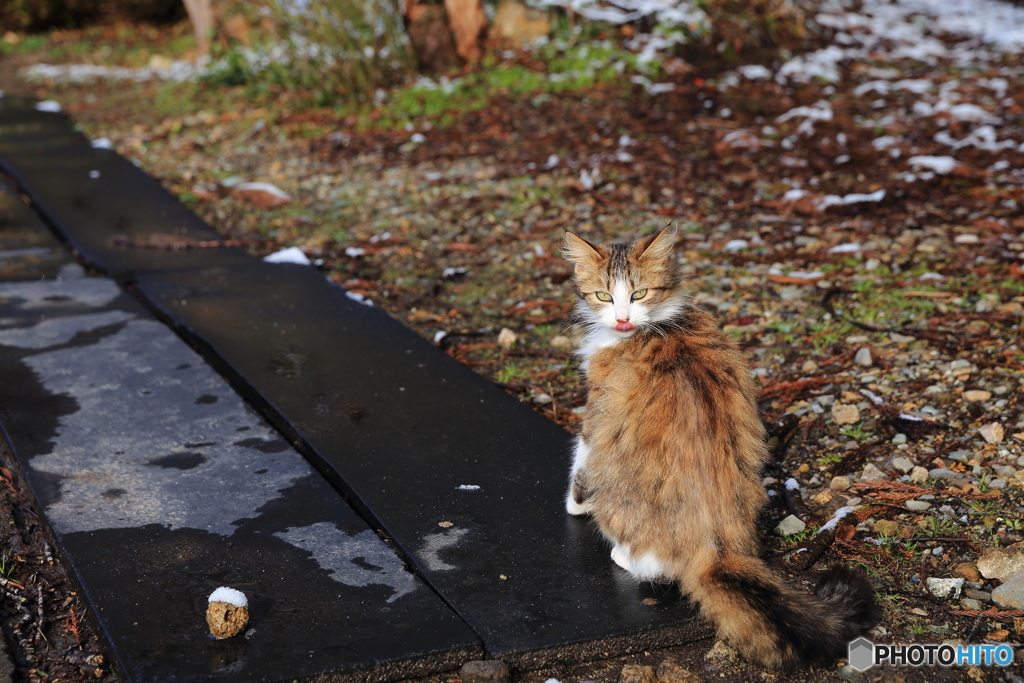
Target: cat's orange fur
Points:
x,y
669,458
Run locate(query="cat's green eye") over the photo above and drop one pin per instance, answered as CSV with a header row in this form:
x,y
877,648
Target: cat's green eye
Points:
x,y
639,294
603,296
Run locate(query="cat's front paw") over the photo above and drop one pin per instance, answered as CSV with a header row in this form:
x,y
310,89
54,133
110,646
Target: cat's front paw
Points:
x,y
574,508
620,556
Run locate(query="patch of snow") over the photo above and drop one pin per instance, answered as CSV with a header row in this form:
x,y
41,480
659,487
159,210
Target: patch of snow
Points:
x,y
837,517
102,143
848,248
736,245
754,72
819,111
48,105
467,487
792,484
880,87
803,275
651,87
940,165
354,251
795,194
587,180
822,64
269,188
439,335
230,596
854,198
358,298
289,255
918,86
983,137
884,142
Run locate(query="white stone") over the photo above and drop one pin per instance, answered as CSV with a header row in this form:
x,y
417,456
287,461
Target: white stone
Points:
x,y
992,433
1002,563
902,464
917,505
1010,595
845,413
872,473
789,526
506,338
863,357
945,588
839,483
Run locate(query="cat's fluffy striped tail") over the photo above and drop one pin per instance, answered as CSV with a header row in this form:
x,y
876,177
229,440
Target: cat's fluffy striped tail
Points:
x,y
776,625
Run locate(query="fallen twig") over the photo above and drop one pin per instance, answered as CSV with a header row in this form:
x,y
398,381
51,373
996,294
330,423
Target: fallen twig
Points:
x,y
822,541
791,494
126,243
992,613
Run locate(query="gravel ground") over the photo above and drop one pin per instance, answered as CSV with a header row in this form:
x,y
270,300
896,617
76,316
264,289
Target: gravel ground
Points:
x,y
853,217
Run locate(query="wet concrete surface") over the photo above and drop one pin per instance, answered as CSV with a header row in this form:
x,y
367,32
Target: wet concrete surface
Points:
x,y
28,250
160,484
99,201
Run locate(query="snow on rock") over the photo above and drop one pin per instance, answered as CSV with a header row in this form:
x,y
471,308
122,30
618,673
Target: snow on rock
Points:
x,y
48,105
102,143
837,517
263,195
940,165
230,596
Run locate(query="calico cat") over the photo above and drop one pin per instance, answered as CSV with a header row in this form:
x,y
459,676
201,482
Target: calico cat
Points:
x,y
669,458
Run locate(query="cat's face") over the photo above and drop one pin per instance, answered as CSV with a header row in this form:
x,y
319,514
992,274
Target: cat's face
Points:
x,y
625,286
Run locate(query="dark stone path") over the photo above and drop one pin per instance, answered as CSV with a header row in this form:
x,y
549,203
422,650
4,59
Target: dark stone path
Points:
x,y
462,480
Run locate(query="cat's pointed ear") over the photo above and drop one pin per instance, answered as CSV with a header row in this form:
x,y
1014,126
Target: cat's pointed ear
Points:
x,y
578,250
660,246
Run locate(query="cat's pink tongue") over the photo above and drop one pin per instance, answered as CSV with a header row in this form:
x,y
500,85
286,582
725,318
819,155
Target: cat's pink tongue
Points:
x,y
623,326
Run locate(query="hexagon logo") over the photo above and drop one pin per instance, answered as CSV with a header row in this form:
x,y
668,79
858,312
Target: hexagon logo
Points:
x,y
862,654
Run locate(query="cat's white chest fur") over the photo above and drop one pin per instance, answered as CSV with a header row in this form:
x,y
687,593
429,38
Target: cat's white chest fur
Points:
x,y
597,338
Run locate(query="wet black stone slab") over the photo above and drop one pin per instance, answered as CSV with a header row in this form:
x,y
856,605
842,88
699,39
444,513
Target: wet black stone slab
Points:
x,y
160,485
98,200
465,479
28,250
